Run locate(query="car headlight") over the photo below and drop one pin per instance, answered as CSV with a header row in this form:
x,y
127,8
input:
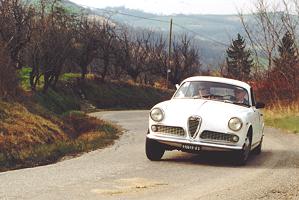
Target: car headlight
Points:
x,y
157,114
235,124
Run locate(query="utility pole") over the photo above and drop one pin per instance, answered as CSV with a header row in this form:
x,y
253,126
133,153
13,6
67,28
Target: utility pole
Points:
x,y
169,54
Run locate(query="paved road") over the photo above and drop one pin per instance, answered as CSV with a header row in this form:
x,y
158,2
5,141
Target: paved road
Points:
x,y
123,172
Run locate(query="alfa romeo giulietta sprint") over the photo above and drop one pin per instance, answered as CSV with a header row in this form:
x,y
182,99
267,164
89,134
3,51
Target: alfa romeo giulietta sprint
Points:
x,y
207,112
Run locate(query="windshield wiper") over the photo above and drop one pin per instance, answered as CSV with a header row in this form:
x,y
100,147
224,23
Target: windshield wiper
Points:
x,y
241,104
196,97
228,101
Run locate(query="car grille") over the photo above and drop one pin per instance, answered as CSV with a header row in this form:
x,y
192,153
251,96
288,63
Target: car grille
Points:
x,y
223,137
170,130
193,125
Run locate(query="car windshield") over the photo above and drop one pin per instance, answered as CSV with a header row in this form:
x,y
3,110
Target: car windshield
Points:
x,y
213,91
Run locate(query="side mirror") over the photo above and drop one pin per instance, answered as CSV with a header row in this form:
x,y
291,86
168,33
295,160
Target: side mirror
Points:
x,y
259,105
177,86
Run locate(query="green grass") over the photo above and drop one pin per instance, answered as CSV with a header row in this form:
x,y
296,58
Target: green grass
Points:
x,y
57,101
122,95
284,116
69,76
290,123
68,97
60,101
24,75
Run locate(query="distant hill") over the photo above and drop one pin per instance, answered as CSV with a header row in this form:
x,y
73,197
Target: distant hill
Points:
x,y
213,33
218,27
67,4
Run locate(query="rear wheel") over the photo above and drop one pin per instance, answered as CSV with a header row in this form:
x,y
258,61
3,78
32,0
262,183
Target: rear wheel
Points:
x,y
154,150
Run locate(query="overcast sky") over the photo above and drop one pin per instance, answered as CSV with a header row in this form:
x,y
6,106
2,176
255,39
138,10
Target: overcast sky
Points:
x,y
173,6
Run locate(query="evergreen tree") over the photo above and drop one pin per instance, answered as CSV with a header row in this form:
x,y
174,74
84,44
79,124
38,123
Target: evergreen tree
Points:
x,y
286,64
238,60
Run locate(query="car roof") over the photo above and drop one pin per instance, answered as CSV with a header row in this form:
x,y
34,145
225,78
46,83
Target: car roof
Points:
x,y
219,80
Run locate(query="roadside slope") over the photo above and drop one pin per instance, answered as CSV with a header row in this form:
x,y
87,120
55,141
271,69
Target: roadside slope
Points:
x,y
29,138
41,128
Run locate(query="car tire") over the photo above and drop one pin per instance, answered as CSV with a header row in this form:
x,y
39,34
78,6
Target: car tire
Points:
x,y
258,149
242,155
154,150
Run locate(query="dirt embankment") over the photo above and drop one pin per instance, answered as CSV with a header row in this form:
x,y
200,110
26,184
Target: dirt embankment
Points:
x,y
32,136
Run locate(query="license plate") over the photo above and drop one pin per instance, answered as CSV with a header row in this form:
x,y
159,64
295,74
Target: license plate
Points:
x,y
191,147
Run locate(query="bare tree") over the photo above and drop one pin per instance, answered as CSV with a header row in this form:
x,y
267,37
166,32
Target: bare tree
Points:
x,y
51,46
184,60
16,26
133,55
87,42
8,78
157,60
264,30
107,47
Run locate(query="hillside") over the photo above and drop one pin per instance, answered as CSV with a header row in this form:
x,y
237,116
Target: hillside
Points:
x,y
40,128
67,4
212,33
205,27
217,27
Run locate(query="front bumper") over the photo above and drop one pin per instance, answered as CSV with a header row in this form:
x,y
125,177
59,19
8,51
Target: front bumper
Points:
x,y
178,142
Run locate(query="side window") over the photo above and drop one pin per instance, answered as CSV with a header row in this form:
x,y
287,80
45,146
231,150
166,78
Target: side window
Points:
x,y
183,91
252,97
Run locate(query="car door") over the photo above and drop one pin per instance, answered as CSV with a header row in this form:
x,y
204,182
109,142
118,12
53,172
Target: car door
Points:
x,y
258,121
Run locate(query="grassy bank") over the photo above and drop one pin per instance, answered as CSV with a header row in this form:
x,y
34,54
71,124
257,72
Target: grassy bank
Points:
x,y
118,95
283,116
28,139
72,95
41,128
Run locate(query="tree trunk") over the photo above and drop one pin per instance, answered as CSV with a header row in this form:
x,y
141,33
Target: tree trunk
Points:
x,y
83,72
104,72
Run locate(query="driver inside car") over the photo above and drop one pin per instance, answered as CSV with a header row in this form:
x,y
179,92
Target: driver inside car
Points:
x,y
241,96
204,93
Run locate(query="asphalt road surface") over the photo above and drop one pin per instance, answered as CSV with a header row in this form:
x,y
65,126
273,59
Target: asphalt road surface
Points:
x,y
122,171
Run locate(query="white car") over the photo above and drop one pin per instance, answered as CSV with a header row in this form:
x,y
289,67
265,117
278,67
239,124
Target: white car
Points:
x,y
207,112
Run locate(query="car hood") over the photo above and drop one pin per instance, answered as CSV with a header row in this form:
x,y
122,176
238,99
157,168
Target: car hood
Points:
x,y
177,111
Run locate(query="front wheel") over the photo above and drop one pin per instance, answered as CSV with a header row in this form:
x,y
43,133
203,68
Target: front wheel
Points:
x,y
242,155
154,150
258,149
